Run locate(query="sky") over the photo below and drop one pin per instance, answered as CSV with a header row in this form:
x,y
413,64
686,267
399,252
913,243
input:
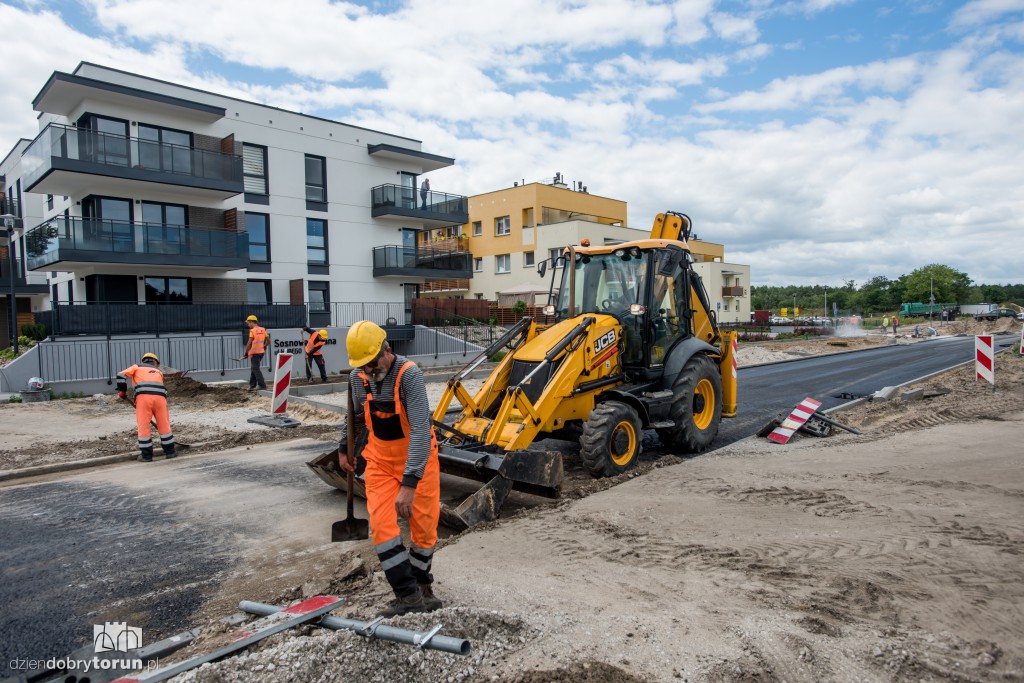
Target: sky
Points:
x,y
821,141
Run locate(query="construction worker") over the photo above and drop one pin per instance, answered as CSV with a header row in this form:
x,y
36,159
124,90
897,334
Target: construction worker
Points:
x,y
255,349
402,475
150,403
314,353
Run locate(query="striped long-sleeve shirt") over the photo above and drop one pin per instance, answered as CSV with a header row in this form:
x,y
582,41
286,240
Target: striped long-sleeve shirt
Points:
x,y
413,395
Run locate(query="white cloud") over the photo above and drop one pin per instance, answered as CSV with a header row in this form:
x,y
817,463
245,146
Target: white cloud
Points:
x,y
983,11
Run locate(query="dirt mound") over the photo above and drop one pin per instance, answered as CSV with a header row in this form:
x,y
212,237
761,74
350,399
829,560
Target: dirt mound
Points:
x,y
188,389
578,672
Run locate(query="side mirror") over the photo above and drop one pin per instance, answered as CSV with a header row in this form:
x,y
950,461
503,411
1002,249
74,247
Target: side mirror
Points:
x,y
542,267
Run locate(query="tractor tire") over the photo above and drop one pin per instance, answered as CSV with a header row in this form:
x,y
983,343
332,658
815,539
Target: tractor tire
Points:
x,y
611,439
696,407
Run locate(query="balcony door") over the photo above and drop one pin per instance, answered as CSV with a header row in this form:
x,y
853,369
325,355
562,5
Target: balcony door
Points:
x,y
165,228
165,149
407,194
107,224
108,143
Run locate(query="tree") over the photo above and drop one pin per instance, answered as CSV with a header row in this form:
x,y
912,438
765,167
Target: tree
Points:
x,y
947,284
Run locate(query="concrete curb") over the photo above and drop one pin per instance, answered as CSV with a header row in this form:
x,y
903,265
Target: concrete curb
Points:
x,y
37,470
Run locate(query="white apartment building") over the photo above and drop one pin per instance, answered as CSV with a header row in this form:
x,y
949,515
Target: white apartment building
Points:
x,y
157,193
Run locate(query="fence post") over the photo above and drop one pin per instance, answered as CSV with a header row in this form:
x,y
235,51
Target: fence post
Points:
x,y
107,305
437,341
168,361
223,360
202,321
110,363
156,319
465,340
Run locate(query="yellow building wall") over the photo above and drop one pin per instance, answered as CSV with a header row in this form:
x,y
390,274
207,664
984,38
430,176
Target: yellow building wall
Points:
x,y
525,207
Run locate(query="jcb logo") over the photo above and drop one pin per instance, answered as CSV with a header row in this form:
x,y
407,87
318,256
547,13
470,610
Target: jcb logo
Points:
x,y
604,341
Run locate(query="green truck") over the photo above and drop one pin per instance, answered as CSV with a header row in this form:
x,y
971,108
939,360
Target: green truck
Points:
x,y
919,310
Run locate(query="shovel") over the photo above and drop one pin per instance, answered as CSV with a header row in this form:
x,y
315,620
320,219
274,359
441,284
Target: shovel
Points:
x,y
351,528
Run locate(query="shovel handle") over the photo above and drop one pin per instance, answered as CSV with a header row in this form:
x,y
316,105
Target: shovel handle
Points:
x,y
350,435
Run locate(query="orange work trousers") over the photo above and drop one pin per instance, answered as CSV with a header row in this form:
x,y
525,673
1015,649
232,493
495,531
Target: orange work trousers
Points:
x,y
151,406
385,465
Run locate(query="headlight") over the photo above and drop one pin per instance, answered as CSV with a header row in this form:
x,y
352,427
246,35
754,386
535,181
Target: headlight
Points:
x,y
637,309
549,309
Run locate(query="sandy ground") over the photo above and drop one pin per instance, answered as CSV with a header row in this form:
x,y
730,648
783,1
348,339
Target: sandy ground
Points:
x,y
894,555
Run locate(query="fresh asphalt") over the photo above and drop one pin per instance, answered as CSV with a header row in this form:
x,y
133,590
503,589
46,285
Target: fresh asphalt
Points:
x,y
106,545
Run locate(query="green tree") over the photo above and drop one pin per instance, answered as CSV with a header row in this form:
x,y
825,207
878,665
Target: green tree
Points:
x,y
947,284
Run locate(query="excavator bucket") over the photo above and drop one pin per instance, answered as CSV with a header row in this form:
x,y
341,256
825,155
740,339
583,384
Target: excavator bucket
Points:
x,y
326,467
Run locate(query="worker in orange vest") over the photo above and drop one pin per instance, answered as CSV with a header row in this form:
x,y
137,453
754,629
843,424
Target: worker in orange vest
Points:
x,y
150,403
255,349
402,475
314,353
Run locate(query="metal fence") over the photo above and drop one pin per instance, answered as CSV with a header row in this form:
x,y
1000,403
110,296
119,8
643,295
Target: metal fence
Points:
x,y
129,318
382,313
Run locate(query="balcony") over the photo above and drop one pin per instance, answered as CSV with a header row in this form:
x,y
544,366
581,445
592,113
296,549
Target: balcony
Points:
x,y
78,242
394,260
732,291
66,160
22,285
444,286
9,206
399,202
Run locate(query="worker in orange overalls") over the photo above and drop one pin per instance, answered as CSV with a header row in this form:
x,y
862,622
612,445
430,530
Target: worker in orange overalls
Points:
x,y
255,349
314,353
402,475
150,403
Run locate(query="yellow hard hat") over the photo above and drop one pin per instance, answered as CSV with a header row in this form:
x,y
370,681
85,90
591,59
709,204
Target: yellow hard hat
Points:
x,y
323,334
251,319
150,356
364,342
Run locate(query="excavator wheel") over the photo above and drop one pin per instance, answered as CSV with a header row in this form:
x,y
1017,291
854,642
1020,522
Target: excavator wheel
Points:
x,y
611,439
696,407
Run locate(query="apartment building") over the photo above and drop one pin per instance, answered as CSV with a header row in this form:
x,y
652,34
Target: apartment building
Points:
x,y
158,193
23,290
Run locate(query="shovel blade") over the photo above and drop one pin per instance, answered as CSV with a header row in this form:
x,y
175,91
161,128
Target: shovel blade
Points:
x,y
350,529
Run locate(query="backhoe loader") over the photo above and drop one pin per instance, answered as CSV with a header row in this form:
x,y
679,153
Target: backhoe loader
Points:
x,y
631,343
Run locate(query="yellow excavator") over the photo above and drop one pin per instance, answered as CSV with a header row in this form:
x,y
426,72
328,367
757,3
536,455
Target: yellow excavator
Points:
x,y
630,343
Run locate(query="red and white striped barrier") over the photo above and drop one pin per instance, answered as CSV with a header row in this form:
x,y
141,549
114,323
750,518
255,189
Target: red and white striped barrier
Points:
x,y
784,432
735,363
1022,340
984,359
282,383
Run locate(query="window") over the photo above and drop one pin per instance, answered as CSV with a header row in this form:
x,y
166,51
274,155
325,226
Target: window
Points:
x,y
168,290
49,202
502,263
501,226
259,291
478,265
258,227
165,227
107,224
553,255
316,241
316,179
527,259
478,229
108,143
319,297
165,149
254,168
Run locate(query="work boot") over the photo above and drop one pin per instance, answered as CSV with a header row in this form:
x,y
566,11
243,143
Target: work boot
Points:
x,y
430,601
169,452
400,606
146,455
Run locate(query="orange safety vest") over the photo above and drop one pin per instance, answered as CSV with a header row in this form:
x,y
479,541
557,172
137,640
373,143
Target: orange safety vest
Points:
x,y
388,424
314,345
258,335
147,380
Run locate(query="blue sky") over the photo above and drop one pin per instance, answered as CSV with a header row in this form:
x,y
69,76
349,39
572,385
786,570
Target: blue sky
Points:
x,y
820,141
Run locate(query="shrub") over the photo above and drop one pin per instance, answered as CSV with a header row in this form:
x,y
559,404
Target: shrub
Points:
x,y
498,355
519,307
35,331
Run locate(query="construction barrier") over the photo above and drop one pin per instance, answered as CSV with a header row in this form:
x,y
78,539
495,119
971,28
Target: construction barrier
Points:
x,y
1022,340
984,359
282,383
798,417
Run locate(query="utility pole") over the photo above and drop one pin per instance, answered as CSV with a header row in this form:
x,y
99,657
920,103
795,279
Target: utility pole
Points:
x,y
826,302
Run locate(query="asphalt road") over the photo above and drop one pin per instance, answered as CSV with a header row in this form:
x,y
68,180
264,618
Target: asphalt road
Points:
x,y
150,543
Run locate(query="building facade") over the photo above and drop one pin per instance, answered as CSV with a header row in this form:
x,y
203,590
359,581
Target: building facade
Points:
x,y
157,193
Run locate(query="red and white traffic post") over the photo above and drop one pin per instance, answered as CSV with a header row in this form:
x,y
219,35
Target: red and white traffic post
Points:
x,y
282,383
984,359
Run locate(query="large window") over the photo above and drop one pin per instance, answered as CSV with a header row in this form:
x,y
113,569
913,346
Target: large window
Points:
x,y
502,226
316,179
109,145
108,224
259,291
254,168
165,149
319,296
168,290
316,241
165,227
502,263
258,227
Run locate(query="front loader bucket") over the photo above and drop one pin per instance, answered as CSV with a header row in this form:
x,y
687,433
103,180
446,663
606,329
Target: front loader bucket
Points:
x,y
536,472
326,467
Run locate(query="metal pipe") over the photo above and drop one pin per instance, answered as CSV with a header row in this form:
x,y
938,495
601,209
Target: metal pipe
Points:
x,y
427,640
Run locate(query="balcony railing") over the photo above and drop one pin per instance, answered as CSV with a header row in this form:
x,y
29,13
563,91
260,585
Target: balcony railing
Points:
x,y
399,260
732,291
60,147
107,241
21,284
400,200
9,206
